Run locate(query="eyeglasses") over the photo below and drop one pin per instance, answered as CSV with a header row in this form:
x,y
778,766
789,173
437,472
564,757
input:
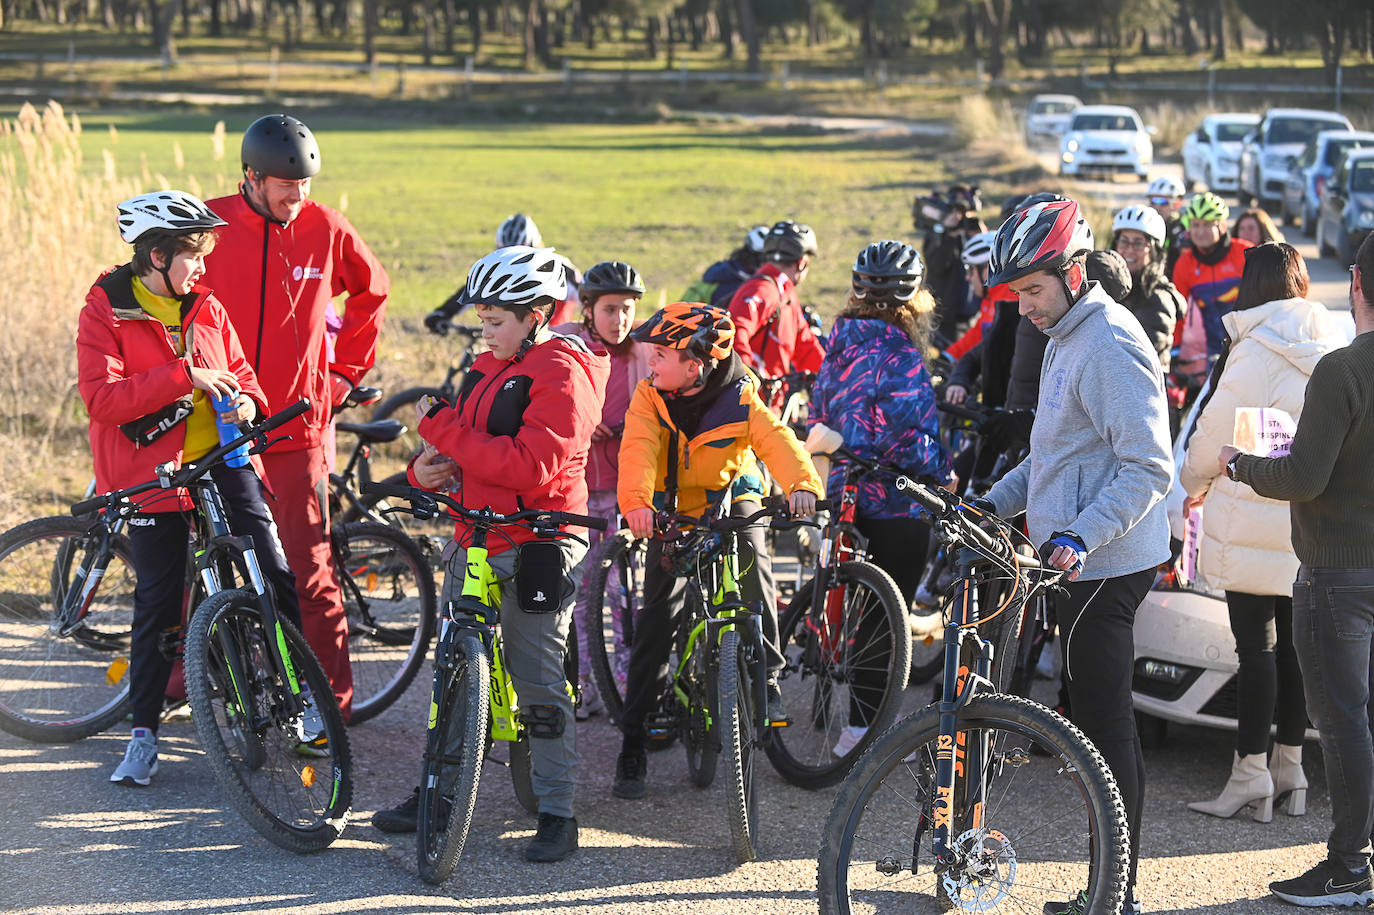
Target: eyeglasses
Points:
x,y
1161,201
1128,244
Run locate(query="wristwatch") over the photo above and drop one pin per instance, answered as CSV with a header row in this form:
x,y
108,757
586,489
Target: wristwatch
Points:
x,y
1231,467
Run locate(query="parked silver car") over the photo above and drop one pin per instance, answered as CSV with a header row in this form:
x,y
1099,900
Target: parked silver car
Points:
x,y
1047,117
1107,139
1211,154
1303,190
1270,149
1346,215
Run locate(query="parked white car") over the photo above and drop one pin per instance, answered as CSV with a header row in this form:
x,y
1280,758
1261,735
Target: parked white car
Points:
x,y
1272,147
1211,154
1108,139
1047,117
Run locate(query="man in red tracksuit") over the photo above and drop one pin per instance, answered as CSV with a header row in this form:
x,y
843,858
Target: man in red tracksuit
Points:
x,y
280,261
772,335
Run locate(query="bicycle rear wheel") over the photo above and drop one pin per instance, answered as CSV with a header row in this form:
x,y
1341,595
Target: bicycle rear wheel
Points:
x,y
739,737
454,746
850,674
293,795
388,594
1051,823
54,687
615,594
430,536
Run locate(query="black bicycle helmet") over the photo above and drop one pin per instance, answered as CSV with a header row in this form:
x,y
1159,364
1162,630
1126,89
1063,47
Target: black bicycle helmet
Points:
x,y
280,146
887,272
609,278
790,241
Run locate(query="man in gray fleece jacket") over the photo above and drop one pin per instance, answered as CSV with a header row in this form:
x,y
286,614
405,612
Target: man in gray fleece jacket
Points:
x,y
1094,483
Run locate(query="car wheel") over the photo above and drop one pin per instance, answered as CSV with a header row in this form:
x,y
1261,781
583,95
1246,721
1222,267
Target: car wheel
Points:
x,y
1285,217
1309,221
1321,239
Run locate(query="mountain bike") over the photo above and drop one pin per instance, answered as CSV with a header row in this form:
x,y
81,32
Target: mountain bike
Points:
x,y
797,546
715,700
258,696
473,702
385,570
394,455
847,647
981,802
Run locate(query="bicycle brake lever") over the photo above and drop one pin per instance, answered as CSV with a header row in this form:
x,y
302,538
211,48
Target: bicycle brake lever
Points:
x,y
268,443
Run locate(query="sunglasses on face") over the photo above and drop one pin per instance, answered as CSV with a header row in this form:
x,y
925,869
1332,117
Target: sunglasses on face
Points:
x,y
1161,201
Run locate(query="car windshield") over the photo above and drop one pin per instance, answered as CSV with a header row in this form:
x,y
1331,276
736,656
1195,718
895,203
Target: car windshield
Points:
x,y
1298,130
1362,178
1337,148
1104,122
1052,107
1233,133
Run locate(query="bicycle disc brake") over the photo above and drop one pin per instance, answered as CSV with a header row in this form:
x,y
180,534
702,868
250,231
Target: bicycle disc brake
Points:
x,y
987,872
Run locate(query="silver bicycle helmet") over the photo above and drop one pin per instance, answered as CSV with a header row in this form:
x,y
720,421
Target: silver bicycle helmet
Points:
x,y
519,230
518,277
1166,186
1142,219
978,249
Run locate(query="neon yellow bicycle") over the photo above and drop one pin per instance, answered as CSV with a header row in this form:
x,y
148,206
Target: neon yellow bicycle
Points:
x,y
473,702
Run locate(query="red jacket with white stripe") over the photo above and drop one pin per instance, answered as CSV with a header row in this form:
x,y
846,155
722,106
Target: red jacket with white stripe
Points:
x,y
276,282
771,333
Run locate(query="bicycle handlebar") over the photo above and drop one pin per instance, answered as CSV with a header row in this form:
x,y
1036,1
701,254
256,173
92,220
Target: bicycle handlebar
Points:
x,y
486,517
952,510
189,474
974,416
772,506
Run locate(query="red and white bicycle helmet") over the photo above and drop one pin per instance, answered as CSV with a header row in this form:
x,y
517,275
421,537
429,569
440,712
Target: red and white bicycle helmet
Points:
x,y
1045,236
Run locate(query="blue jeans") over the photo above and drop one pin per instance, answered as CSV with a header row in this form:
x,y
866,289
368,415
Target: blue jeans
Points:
x,y
1333,632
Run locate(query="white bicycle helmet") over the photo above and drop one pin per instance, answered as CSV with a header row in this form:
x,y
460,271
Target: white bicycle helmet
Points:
x,y
518,277
519,230
171,211
978,249
1166,186
1142,219
756,237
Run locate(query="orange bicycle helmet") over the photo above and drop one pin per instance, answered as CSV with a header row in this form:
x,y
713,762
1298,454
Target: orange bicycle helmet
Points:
x,y
704,330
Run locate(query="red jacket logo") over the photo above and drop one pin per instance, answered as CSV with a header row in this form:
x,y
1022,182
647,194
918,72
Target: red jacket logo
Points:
x,y
306,273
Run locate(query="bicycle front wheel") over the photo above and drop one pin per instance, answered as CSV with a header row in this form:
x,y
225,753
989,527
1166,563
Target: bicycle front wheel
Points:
x,y
56,687
615,594
1051,822
286,770
389,597
844,674
454,746
739,737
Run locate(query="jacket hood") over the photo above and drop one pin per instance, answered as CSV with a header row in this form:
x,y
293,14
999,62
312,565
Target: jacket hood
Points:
x,y
1296,329
851,337
725,272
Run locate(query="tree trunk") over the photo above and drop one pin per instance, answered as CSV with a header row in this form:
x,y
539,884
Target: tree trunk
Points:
x,y
1187,37
998,13
695,23
475,25
867,38
970,31
1331,39
651,37
427,32
161,15
450,27
1219,52
727,29
107,16
749,33
370,29
531,10
542,44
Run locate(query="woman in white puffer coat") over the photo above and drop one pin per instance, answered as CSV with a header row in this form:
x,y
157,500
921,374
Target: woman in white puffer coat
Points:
x,y
1276,338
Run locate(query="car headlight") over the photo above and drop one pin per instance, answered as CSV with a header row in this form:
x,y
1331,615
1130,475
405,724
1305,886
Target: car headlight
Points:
x,y
1067,157
1161,670
1366,217
1071,145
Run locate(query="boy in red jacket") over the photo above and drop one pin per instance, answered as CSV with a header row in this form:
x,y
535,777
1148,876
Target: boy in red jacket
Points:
x,y
153,346
518,439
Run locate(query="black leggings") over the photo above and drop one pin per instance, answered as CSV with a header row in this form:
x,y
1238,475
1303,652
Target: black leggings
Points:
x,y
1095,623
158,540
1268,678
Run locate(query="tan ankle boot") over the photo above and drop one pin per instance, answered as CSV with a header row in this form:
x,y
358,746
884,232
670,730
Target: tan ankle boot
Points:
x,y
1250,784
1290,784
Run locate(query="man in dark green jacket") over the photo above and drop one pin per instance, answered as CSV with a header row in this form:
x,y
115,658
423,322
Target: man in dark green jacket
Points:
x,y
1325,476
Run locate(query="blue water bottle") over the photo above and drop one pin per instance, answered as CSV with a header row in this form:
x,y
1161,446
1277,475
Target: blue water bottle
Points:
x,y
228,431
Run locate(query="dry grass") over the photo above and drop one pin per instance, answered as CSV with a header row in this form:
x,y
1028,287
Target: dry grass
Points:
x,y
55,238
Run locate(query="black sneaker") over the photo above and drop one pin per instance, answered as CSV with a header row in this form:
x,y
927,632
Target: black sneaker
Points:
x,y
777,711
630,770
402,817
1329,883
555,839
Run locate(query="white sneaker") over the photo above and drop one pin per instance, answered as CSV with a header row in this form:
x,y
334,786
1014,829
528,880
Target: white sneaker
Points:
x,y
849,739
310,730
140,762
591,703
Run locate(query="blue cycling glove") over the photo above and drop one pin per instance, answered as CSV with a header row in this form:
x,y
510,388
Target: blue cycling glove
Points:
x,y
1070,540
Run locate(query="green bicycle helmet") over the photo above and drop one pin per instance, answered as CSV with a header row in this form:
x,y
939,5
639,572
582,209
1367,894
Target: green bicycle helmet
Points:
x,y
1207,207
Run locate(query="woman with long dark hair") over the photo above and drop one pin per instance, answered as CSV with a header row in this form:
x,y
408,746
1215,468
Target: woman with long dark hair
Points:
x,y
1275,338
